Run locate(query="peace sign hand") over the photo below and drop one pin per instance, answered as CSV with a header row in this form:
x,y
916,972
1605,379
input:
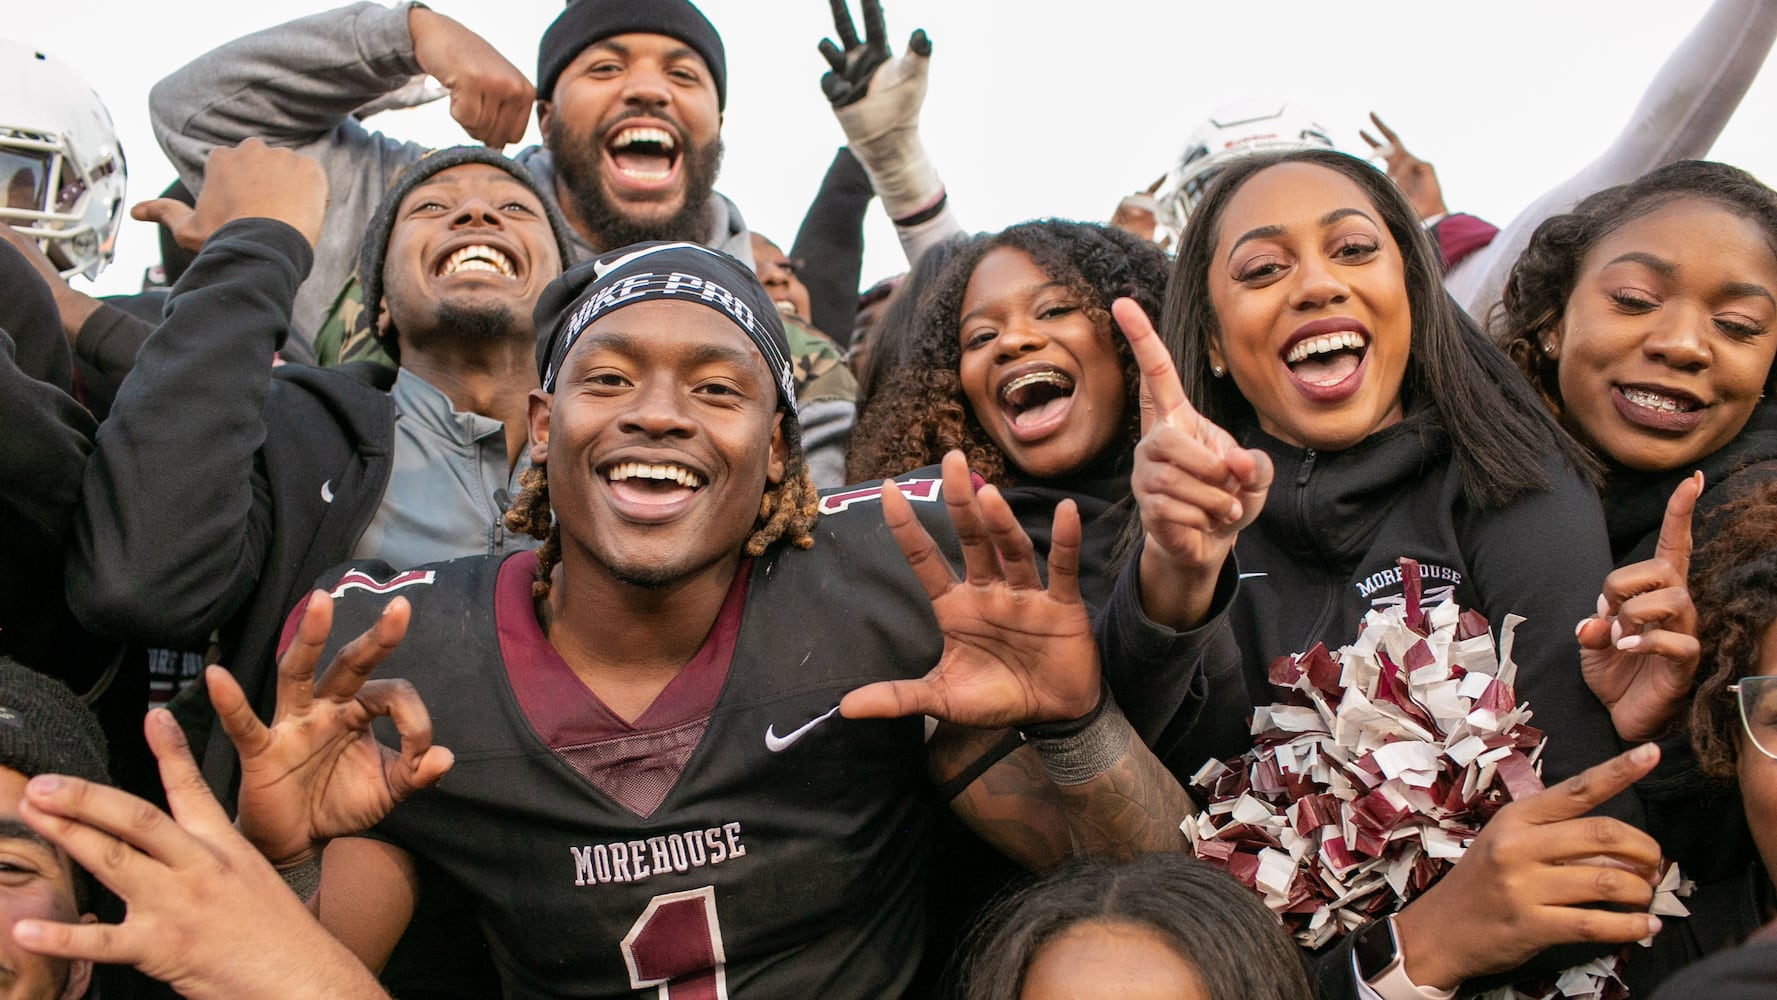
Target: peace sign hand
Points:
x,y
854,65
1640,651
1414,176
1196,487
1015,652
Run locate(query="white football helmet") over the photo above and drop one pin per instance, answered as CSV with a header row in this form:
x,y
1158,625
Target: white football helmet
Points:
x,y
62,173
1235,130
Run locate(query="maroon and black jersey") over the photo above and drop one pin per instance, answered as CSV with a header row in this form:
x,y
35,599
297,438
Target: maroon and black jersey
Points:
x,y
739,838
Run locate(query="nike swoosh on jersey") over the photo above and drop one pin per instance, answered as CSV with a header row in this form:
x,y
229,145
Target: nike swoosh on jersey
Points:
x,y
327,491
778,744
1251,576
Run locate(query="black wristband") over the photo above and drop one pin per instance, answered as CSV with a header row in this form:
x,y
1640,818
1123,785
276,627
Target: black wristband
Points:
x,y
1067,727
925,215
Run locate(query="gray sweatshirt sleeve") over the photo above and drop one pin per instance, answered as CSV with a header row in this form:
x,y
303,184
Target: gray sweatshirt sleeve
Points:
x,y
1679,117
296,85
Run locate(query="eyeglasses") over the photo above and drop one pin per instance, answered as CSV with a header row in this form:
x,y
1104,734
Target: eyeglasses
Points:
x,y
1758,711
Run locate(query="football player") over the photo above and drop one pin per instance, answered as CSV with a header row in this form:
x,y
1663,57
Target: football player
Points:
x,y
691,737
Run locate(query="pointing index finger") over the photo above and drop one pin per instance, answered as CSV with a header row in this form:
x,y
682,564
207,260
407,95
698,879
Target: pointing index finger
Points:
x,y
1592,787
1674,545
1159,377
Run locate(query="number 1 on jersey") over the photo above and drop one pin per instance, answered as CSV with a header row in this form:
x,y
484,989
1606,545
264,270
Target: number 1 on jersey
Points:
x,y
676,945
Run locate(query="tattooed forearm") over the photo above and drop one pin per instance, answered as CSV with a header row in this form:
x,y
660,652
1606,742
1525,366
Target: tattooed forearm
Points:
x,y
1016,808
1134,807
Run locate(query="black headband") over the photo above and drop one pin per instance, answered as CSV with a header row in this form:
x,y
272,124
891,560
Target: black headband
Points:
x,y
644,272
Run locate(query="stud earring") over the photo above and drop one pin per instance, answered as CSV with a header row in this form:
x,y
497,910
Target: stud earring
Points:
x,y
1551,348
1217,370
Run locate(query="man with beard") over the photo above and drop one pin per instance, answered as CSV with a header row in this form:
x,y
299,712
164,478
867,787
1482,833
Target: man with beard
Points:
x,y
629,96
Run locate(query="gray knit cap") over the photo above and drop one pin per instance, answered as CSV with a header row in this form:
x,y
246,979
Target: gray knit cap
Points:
x,y
44,729
376,235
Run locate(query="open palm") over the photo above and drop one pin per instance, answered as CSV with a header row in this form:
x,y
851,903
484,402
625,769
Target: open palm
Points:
x,y
1015,652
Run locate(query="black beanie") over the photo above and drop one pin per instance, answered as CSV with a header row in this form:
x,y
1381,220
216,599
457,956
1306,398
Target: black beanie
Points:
x,y
44,729
376,235
589,21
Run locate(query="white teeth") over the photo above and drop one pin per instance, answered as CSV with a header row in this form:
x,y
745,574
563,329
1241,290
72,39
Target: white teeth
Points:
x,y
630,136
643,470
1655,401
1033,378
478,257
644,134
1349,340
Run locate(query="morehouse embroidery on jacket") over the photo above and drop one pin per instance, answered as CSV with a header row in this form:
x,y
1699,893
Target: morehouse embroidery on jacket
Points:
x,y
1392,577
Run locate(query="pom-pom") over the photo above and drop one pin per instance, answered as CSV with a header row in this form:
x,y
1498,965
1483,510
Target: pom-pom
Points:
x,y
1374,771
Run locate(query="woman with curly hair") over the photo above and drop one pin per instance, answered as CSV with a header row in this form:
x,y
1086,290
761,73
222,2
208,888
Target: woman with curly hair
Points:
x,y
1313,337
1645,319
1016,362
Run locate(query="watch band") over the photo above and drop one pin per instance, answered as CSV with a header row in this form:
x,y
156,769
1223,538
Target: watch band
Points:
x,y
1392,982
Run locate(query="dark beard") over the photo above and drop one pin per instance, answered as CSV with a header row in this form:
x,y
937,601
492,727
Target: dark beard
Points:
x,y
471,324
577,164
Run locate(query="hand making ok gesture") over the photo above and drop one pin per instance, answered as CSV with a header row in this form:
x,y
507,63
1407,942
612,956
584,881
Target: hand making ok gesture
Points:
x,y
1196,487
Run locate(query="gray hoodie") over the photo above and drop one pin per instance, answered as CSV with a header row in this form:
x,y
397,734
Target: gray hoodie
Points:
x,y
296,85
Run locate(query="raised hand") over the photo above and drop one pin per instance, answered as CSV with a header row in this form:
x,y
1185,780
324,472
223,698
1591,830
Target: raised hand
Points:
x,y
1014,652
489,97
877,97
1639,653
1195,486
1525,881
318,772
248,181
206,913
1415,177
856,64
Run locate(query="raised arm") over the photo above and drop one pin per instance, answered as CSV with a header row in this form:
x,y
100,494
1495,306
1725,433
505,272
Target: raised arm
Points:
x,y
173,522
297,85
1680,115
1021,654
877,97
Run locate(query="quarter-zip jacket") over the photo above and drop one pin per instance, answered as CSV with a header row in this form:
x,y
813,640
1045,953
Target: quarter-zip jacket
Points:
x,y
1324,549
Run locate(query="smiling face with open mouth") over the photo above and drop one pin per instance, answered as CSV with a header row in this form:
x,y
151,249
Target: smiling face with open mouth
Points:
x,y
635,126
661,439
1310,298
471,240
1667,342
1040,372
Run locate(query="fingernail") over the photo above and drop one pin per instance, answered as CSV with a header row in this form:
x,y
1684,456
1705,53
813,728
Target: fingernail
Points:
x,y
1577,629
1653,925
1616,631
1603,607
1644,753
45,784
27,932
1629,643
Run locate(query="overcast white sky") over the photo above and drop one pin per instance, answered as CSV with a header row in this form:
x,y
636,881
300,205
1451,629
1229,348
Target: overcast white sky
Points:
x,y
1043,107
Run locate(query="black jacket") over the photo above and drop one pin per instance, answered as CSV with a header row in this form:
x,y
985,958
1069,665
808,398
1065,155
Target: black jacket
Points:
x,y
1324,548
220,488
